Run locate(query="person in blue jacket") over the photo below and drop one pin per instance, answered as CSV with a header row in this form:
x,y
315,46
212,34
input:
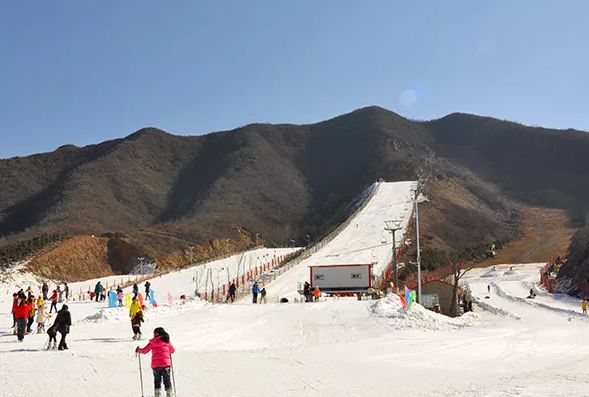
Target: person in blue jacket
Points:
x,y
255,292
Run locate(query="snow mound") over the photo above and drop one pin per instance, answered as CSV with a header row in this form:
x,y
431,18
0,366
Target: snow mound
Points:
x,y
391,312
493,272
122,313
510,273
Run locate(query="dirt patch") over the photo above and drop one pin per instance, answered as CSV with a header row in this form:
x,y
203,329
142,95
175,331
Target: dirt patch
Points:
x,y
75,259
545,233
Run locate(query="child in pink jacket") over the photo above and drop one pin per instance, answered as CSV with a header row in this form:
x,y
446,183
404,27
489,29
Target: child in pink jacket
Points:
x,y
161,359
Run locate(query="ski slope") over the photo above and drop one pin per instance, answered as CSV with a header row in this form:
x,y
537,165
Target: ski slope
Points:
x,y
363,240
332,348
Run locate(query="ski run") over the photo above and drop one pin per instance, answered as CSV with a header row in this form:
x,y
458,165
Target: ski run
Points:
x,y
508,346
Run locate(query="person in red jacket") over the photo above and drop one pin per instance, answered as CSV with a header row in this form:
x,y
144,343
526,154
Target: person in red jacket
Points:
x,y
161,359
54,298
21,313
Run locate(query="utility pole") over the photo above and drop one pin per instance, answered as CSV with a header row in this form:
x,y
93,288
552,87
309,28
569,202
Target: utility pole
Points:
x,y
416,201
393,226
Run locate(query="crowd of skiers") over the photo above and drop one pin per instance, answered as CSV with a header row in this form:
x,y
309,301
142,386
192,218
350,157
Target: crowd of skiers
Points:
x,y
26,308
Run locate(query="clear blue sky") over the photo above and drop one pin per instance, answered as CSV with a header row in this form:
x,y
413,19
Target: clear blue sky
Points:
x,y
85,71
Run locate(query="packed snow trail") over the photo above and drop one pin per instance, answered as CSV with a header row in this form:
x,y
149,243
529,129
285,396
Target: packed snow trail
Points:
x,y
363,240
332,348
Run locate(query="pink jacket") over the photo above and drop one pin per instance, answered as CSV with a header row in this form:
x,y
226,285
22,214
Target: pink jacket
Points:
x,y
160,352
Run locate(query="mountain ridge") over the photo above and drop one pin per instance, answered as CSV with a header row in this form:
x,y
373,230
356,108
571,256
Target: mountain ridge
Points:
x,y
284,181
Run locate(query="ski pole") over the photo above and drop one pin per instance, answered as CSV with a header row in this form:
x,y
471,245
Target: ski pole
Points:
x,y
140,374
173,377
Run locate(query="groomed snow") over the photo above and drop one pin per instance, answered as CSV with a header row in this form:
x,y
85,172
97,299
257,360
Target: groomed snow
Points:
x,y
331,348
364,240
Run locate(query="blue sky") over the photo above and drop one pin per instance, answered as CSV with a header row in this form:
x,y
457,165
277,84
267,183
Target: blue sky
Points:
x,y
85,71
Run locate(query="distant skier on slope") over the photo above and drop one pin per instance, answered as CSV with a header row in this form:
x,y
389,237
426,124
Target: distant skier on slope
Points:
x,y
54,297
21,313
136,321
584,306
135,307
62,324
52,332
232,291
32,310
316,293
120,295
42,316
255,292
161,360
263,295
97,290
307,291
135,290
147,289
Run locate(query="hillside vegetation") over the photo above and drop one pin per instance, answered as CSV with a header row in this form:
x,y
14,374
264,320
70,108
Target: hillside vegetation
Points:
x,y
165,193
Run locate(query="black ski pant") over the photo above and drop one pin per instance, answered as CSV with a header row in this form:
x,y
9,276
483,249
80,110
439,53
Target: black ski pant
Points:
x,y
53,305
255,298
159,374
62,344
21,327
13,320
136,329
29,323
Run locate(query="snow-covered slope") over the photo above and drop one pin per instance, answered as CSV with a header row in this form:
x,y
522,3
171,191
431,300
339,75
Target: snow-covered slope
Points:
x,y
363,240
332,348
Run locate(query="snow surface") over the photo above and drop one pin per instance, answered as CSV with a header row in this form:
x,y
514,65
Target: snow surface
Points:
x,y
363,240
510,346
332,348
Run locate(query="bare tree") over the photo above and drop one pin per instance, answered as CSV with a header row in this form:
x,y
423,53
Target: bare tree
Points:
x,y
460,269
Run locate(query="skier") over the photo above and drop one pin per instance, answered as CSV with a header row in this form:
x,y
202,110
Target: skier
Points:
x,y
255,292
53,300
135,290
59,294
316,293
488,288
45,290
135,307
584,306
52,332
66,290
147,290
42,316
136,321
307,291
31,320
14,303
161,360
62,324
21,313
97,290
120,295
263,295
232,291
40,302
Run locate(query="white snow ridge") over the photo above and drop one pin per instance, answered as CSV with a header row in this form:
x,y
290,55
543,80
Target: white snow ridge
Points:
x,y
391,312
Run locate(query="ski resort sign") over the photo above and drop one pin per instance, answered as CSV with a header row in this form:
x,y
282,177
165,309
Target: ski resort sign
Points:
x,y
342,279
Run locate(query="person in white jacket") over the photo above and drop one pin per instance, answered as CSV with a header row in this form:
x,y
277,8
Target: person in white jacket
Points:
x,y
42,316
